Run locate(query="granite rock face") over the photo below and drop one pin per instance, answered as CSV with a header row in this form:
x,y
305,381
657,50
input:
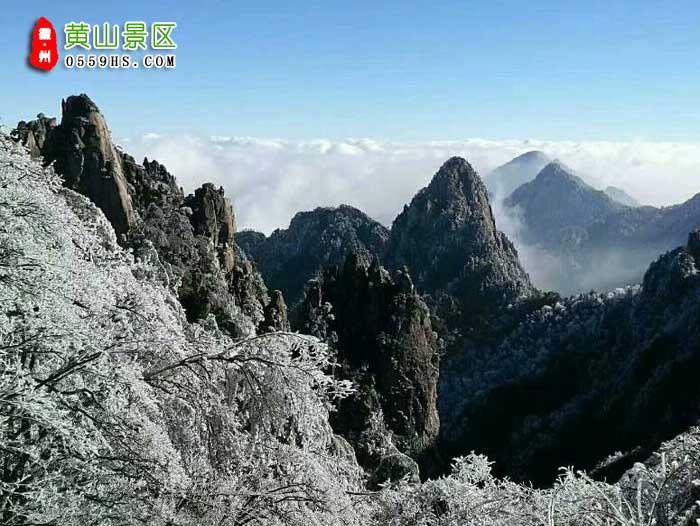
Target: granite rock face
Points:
x,y
382,332
191,236
33,134
448,240
82,152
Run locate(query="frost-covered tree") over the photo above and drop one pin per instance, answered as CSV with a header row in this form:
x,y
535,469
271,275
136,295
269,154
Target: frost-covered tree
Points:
x,y
115,410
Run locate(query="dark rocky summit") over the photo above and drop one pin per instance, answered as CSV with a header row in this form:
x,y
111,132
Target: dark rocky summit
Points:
x,y
82,152
448,240
315,239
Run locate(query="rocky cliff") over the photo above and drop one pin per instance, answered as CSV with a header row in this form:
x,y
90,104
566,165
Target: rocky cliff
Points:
x,y
192,236
382,332
82,152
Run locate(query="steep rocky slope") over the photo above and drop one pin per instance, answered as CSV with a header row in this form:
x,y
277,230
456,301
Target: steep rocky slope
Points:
x,y
191,240
116,410
193,235
448,240
288,258
382,331
588,376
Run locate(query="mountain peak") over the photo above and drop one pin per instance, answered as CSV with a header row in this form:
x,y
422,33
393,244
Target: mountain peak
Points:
x,y
315,239
558,203
447,238
557,170
455,164
456,181
520,170
82,152
532,155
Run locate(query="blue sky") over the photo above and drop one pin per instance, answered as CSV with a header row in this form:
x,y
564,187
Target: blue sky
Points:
x,y
405,71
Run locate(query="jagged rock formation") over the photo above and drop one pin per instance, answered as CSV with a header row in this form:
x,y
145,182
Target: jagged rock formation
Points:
x,y
212,217
82,152
385,342
622,197
275,313
33,133
192,236
501,181
448,240
315,239
588,376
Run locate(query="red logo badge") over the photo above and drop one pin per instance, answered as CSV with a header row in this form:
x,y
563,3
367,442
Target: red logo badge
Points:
x,y
44,53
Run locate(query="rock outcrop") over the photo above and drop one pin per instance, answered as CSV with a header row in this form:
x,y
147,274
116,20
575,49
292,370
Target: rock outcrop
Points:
x,y
212,217
33,134
382,332
82,152
191,236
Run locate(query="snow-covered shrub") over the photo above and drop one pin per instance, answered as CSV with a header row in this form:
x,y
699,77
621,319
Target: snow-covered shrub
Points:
x,y
115,410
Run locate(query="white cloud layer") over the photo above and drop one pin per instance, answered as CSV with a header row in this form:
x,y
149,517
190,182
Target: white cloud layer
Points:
x,y
269,180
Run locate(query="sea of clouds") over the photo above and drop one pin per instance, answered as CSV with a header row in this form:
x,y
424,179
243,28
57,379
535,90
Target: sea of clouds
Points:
x,y
269,180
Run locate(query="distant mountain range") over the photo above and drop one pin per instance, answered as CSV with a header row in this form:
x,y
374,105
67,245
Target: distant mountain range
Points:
x,y
558,205
587,238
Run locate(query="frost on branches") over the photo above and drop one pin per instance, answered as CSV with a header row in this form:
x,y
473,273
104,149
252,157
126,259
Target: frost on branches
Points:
x,y
115,410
